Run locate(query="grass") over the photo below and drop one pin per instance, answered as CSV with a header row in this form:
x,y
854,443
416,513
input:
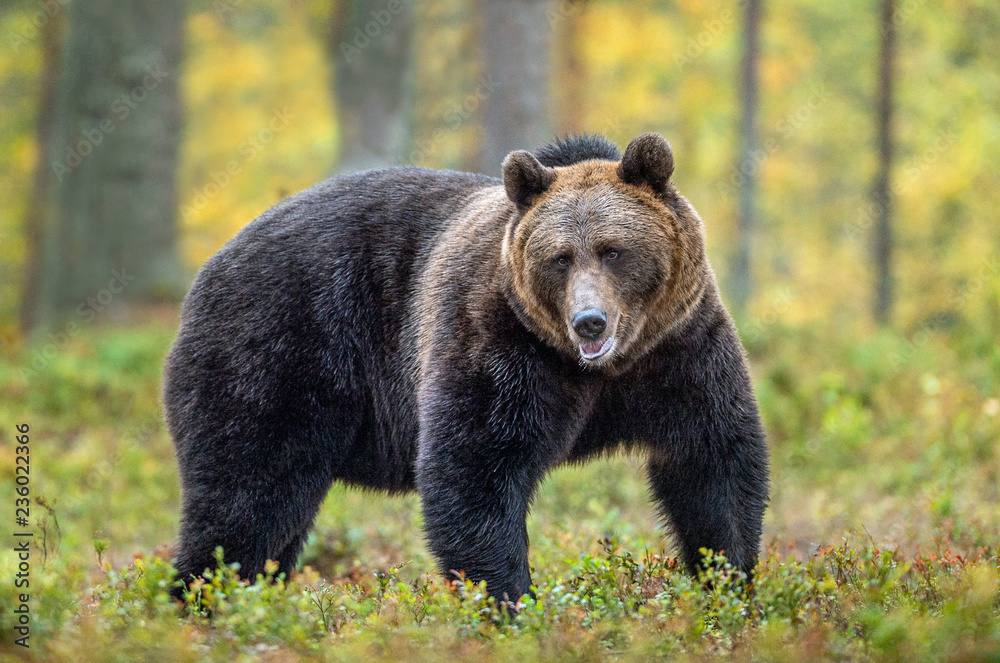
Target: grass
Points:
x,y
881,541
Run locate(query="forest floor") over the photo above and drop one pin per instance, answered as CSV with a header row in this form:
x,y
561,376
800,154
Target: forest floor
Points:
x,y
881,539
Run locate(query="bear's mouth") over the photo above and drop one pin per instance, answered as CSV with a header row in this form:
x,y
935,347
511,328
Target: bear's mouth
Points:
x,y
595,349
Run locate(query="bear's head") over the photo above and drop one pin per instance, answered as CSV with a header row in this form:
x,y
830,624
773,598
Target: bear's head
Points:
x,y
604,256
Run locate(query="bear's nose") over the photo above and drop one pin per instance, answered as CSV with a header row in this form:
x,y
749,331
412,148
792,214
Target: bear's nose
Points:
x,y
590,323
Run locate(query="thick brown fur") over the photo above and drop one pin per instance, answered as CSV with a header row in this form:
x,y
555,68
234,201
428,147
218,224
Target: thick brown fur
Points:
x,y
668,238
461,336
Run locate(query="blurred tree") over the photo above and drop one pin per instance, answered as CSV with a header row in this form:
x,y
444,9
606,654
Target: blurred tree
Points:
x,y
882,187
447,109
749,153
571,86
34,222
517,37
113,153
371,46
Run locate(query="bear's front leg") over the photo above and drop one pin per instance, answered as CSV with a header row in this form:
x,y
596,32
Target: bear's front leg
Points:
x,y
483,449
714,502
708,464
474,508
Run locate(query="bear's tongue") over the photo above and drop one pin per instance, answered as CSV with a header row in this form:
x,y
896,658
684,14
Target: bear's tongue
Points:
x,y
595,349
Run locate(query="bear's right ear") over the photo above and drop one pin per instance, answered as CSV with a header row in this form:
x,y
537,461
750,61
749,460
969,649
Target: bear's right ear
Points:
x,y
525,179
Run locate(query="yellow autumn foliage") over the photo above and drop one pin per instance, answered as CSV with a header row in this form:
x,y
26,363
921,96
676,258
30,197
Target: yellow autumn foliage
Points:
x,y
260,124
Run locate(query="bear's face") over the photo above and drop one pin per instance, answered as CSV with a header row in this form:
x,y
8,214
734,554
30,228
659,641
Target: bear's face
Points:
x,y
596,255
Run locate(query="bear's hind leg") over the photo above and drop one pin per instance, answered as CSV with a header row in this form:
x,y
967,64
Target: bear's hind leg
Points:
x,y
255,515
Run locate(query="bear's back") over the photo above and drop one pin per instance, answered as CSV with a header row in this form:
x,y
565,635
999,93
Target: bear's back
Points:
x,y
305,313
309,311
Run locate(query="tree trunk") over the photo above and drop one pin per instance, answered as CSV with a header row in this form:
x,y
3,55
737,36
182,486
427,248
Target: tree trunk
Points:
x,y
371,46
572,70
113,230
37,212
516,55
740,273
882,186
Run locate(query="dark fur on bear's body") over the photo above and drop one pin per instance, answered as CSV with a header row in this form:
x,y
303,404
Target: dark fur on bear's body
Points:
x,y
370,330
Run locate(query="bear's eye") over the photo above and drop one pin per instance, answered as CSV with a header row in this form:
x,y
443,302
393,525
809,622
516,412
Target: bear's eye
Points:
x,y
562,260
611,254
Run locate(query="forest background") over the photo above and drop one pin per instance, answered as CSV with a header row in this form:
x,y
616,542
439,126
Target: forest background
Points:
x,y
844,158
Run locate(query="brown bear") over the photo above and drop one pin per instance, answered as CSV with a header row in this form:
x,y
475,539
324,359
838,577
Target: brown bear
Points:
x,y
445,332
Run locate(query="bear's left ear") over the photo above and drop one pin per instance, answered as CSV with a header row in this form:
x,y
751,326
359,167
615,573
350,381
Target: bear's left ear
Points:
x,y
525,179
647,160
